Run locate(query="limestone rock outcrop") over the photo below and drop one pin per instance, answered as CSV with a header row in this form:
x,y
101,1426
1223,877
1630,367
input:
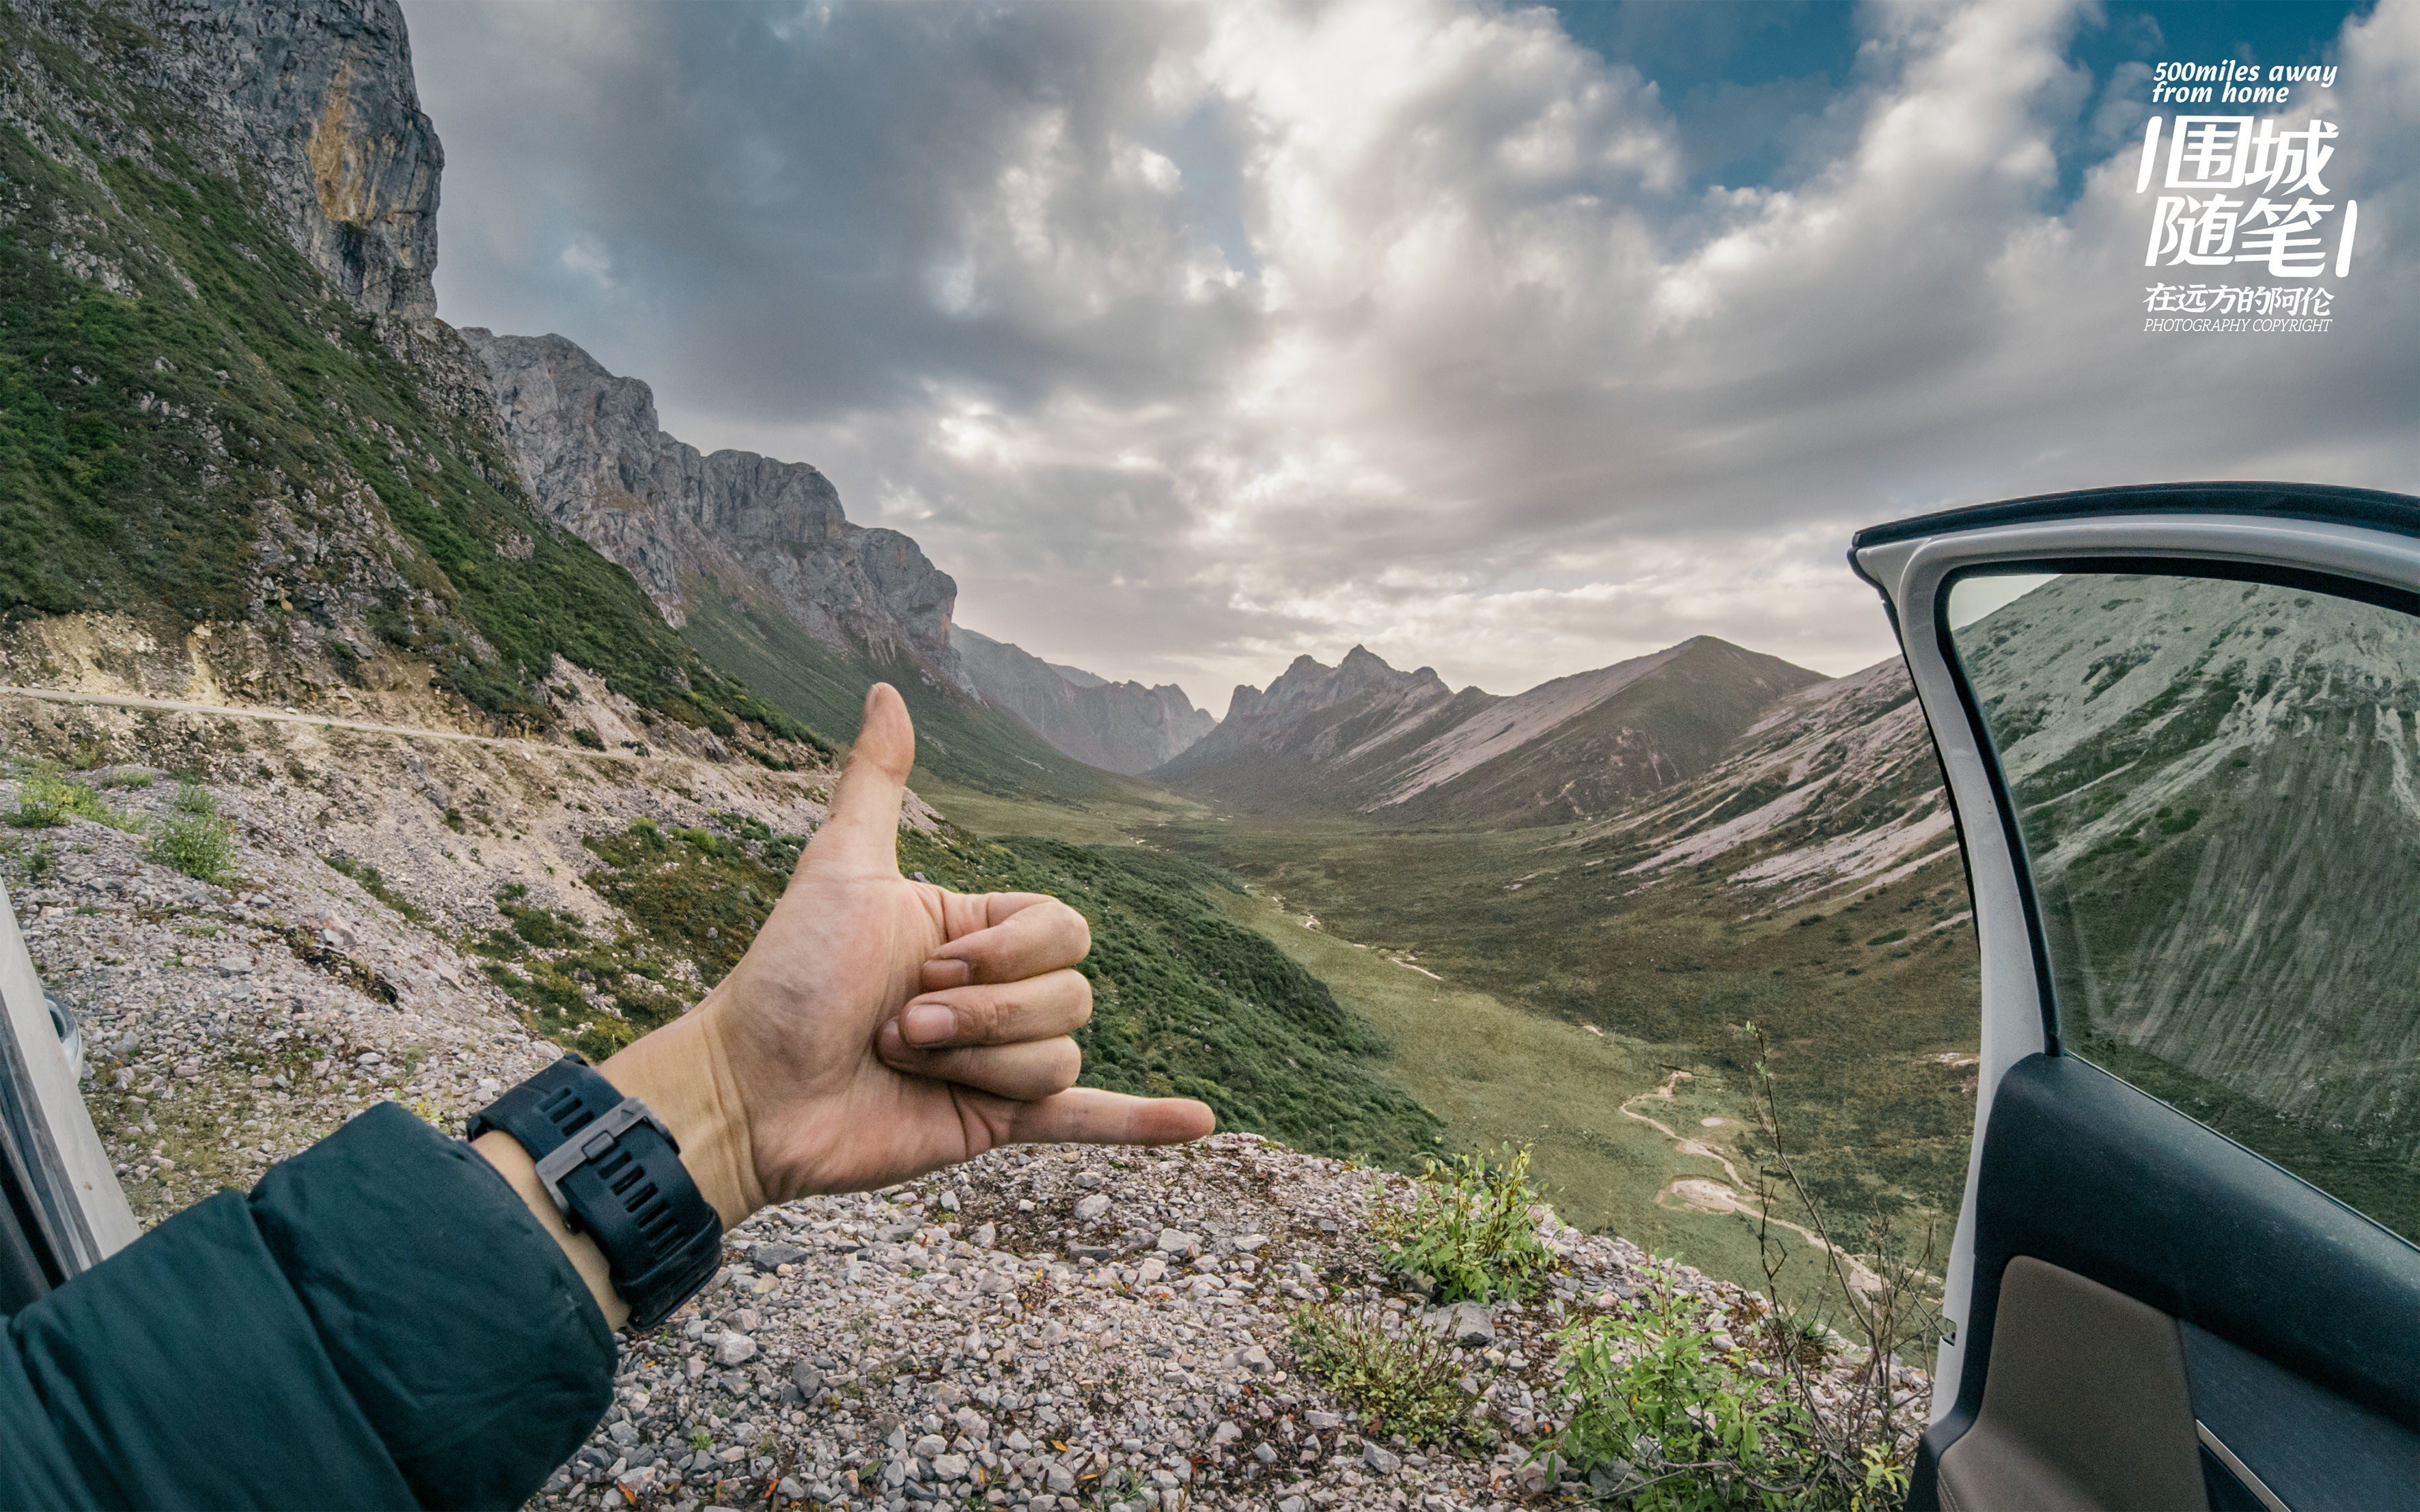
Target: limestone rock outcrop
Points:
x,y
589,446
312,102
1123,727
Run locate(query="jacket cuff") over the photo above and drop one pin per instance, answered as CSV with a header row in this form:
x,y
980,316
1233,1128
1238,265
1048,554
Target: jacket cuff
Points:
x,y
456,1321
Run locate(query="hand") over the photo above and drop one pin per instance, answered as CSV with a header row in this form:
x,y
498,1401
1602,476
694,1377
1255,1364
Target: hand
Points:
x,y
878,1028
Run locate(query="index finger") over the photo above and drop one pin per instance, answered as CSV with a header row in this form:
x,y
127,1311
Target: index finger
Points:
x,y
1029,934
1087,1116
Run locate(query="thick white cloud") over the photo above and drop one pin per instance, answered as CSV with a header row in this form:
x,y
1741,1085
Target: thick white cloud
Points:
x,y
1193,337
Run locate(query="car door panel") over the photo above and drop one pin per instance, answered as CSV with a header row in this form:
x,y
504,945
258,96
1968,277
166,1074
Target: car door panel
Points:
x,y
2086,1174
2086,1405
2138,1309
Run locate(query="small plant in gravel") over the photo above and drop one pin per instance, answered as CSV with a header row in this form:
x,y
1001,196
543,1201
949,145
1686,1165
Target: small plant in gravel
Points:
x,y
1396,1375
195,837
1864,1435
1670,1414
44,801
1469,1228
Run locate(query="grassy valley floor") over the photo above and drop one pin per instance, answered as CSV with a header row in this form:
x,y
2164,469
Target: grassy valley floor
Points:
x,y
1529,995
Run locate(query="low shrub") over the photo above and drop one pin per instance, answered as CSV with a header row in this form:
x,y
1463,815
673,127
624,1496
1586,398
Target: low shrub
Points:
x,y
1469,1228
1666,1414
44,801
195,838
1396,1375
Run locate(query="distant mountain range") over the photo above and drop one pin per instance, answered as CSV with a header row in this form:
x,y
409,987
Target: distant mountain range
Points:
x,y
1123,727
1363,737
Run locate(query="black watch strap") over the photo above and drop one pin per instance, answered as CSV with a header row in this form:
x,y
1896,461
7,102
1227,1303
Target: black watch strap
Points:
x,y
615,1172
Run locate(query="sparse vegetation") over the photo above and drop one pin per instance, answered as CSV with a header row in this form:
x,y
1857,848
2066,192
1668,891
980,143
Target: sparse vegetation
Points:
x,y
44,801
374,883
1669,1415
1469,1228
195,837
1398,1377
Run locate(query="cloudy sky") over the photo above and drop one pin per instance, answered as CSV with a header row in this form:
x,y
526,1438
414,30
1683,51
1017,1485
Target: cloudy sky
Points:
x,y
1508,340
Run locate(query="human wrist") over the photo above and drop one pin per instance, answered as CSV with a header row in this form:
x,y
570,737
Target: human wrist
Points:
x,y
682,1072
519,1171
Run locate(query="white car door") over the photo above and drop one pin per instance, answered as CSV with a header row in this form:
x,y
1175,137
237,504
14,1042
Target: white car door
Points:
x,y
2181,725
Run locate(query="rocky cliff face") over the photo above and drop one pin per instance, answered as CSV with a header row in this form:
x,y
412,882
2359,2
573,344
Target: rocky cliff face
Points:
x,y
1121,727
600,466
245,460
312,102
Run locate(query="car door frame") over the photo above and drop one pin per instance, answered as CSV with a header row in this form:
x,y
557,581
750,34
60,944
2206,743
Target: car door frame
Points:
x,y
2352,542
60,1204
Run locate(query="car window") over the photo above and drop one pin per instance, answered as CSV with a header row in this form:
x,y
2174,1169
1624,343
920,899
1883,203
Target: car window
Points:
x,y
2218,787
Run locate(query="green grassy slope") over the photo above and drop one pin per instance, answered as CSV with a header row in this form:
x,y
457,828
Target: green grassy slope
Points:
x,y
1669,725
957,739
246,448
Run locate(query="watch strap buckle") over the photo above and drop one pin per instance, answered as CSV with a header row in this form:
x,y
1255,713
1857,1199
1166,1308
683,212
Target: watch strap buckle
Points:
x,y
593,1141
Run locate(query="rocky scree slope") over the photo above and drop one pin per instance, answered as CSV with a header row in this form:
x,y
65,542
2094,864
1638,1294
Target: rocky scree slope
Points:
x,y
1120,727
233,448
1065,1327
1399,747
1835,786
2222,816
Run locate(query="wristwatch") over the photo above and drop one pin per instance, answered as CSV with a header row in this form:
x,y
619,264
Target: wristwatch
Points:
x,y
615,1173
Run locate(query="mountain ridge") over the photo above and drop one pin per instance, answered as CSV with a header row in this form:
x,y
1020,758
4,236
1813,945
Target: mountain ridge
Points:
x,y
238,455
1365,738
1120,727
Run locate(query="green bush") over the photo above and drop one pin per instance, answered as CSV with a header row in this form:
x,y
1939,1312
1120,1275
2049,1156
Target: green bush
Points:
x,y
195,838
588,737
1668,1417
1397,1377
1468,1227
44,801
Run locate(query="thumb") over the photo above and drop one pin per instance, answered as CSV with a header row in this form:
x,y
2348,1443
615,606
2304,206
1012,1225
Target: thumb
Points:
x,y
863,824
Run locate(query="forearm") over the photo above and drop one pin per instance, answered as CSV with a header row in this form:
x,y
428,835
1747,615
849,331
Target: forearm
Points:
x,y
682,1074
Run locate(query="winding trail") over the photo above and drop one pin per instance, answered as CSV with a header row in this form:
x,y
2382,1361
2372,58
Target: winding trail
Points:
x,y
1713,1196
542,749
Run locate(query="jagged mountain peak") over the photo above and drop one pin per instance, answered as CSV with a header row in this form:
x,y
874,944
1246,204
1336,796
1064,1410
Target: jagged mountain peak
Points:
x,y
756,527
1365,736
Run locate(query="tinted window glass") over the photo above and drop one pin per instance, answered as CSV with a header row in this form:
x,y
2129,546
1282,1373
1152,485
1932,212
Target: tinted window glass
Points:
x,y
2218,784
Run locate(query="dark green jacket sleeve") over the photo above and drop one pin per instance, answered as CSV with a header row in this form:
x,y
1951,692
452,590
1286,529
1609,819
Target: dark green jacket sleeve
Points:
x,y
381,1323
